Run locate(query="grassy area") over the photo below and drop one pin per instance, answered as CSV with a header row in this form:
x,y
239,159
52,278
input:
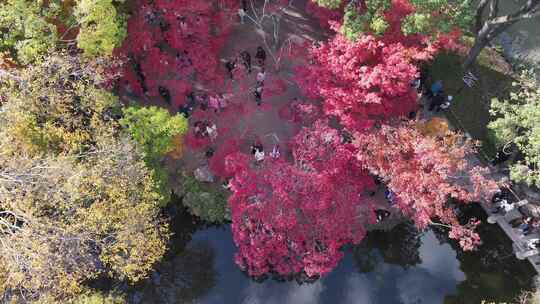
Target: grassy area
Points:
x,y
470,109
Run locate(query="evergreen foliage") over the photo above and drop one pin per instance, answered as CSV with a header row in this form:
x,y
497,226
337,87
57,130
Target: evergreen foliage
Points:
x,y
517,121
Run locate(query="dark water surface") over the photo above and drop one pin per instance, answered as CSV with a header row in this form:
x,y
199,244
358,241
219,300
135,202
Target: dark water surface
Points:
x,y
399,266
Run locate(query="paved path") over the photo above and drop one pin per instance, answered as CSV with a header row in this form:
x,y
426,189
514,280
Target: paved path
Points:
x,y
519,241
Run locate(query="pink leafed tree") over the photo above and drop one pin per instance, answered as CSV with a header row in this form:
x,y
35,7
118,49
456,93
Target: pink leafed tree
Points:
x,y
369,79
424,172
173,44
361,82
293,219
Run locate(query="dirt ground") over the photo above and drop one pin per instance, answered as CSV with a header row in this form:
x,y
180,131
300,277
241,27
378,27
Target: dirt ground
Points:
x,y
242,121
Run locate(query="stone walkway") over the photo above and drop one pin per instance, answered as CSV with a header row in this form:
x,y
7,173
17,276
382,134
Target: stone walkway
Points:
x,y
519,241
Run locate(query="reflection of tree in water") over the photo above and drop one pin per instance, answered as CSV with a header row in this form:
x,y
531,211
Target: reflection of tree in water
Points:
x,y
181,279
182,224
187,270
492,272
398,246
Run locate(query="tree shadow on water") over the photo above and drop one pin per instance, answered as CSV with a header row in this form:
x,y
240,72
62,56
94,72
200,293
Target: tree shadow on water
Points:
x,y
399,246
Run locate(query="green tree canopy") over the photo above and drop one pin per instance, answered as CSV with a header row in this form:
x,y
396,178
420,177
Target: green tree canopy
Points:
x,y
433,16
101,27
331,4
517,121
429,16
154,130
204,201
30,28
25,30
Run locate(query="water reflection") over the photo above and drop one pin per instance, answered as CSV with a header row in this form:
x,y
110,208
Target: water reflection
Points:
x,y
434,275
182,279
399,246
399,266
492,273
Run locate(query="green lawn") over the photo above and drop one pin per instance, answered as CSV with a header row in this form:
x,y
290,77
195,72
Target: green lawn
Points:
x,y
470,109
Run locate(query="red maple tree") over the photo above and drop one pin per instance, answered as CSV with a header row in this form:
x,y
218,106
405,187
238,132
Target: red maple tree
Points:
x,y
361,82
173,44
369,79
424,172
295,218
294,214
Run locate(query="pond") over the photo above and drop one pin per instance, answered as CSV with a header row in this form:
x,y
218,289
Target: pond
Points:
x,y
397,266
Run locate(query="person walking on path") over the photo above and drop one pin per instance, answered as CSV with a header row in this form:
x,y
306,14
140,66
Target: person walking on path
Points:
x,y
230,65
242,14
275,152
448,102
257,150
211,130
260,56
258,95
213,102
246,60
437,101
260,78
436,87
222,102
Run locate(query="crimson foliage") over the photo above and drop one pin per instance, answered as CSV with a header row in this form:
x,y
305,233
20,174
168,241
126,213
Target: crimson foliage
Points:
x,y
173,44
294,218
369,79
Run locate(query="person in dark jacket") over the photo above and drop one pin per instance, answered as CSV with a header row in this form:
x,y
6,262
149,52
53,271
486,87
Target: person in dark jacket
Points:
x,y
260,56
246,60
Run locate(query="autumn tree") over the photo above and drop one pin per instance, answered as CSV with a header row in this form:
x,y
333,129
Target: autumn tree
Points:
x,y
331,4
173,44
76,198
517,122
293,219
367,78
413,16
25,31
362,81
101,27
432,17
94,297
425,172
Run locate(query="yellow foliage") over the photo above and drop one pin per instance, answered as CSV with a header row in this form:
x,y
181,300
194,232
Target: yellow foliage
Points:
x,y
79,184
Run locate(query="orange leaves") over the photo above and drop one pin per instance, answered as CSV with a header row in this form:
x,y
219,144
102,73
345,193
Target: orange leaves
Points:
x,y
178,147
436,126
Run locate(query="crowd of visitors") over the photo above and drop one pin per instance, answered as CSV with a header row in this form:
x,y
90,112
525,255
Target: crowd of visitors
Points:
x,y
245,59
517,213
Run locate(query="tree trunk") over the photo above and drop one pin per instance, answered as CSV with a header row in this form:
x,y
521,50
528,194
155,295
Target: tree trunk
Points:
x,y
480,42
479,14
493,26
476,49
